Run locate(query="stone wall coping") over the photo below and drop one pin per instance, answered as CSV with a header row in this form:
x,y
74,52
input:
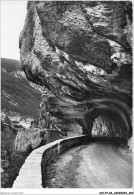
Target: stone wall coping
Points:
x,y
30,175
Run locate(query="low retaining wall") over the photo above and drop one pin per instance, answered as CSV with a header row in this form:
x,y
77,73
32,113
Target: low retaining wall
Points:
x,y
57,148
64,144
33,172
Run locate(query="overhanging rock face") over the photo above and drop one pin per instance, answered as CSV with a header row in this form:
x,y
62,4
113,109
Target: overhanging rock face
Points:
x,y
82,52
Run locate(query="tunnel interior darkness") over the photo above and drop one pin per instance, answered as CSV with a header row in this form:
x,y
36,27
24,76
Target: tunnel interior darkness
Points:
x,y
105,122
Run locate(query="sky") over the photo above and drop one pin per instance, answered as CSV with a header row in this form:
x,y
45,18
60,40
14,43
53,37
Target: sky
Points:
x,y
13,15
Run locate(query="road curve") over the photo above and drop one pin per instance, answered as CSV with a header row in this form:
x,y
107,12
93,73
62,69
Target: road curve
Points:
x,y
97,165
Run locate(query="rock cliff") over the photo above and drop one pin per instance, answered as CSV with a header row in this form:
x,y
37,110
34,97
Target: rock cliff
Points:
x,y
82,52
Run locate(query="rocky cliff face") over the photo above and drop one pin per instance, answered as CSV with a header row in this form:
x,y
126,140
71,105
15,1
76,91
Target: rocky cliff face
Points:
x,y
28,140
82,52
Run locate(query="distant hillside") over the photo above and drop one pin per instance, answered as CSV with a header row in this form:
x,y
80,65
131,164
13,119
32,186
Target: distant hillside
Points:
x,y
10,65
17,93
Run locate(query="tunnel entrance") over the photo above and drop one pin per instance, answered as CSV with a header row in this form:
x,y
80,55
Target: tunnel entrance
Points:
x,y
108,122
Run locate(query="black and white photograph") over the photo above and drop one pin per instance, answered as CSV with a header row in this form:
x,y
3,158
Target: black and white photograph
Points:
x,y
66,97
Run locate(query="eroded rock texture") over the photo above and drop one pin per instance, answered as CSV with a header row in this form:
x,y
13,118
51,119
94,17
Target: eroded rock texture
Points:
x,y
82,52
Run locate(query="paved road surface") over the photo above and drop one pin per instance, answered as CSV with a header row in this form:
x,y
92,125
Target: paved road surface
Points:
x,y
97,165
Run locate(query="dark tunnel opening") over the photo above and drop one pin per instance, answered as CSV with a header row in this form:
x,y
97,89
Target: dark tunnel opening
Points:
x,y
109,123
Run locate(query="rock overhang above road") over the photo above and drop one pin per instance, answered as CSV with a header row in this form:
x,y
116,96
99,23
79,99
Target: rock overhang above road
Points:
x,y
62,40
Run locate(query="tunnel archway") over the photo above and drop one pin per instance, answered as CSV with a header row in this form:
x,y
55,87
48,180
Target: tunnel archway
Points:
x,y
115,120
